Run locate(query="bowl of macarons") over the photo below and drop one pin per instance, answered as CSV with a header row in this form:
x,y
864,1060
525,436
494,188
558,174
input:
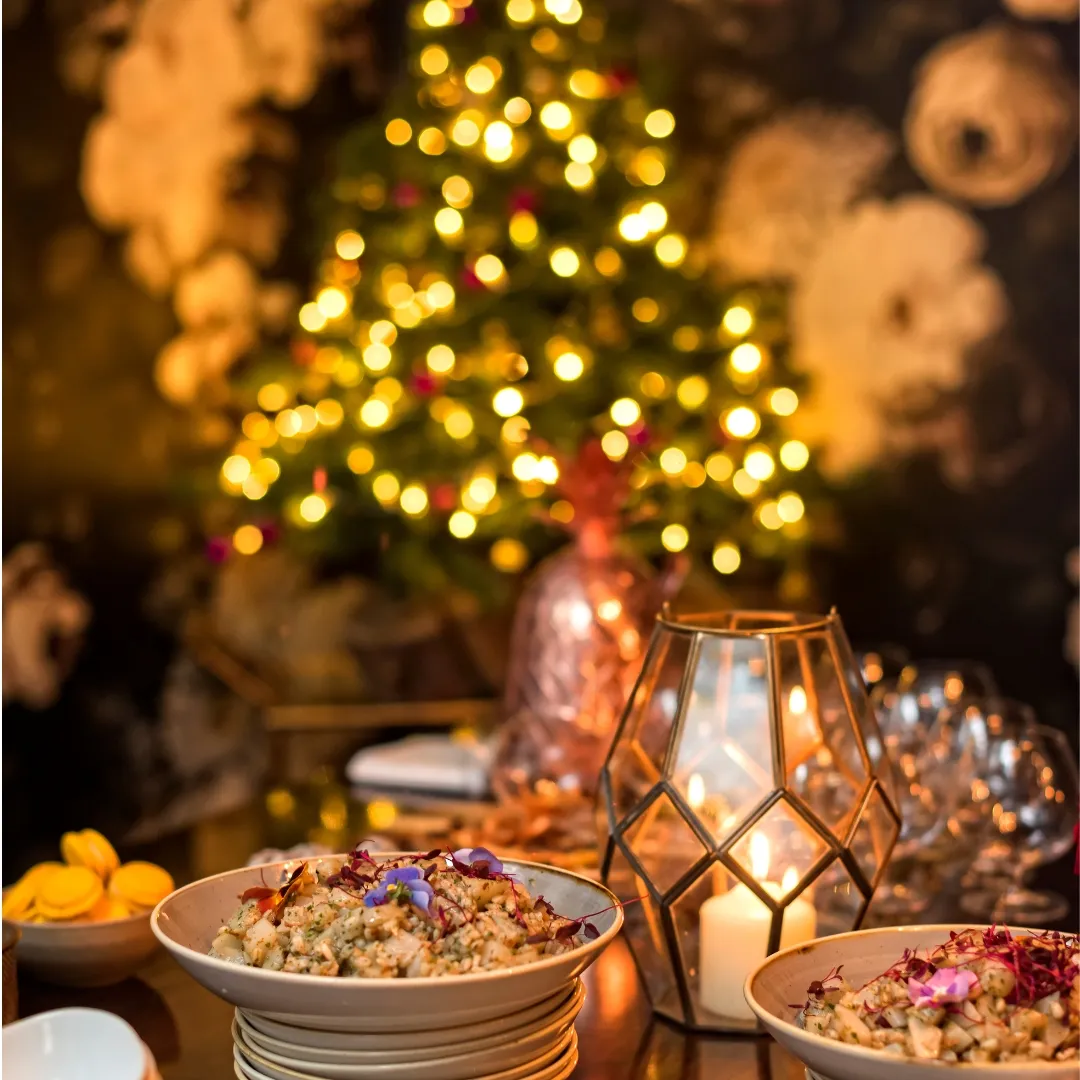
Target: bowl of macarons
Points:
x,y
85,921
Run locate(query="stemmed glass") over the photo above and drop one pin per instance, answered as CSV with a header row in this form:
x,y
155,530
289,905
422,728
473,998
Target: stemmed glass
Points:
x,y
1027,792
935,760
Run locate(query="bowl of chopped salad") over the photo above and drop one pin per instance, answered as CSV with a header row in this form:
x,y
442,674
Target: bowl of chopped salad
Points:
x,y
368,942
897,1002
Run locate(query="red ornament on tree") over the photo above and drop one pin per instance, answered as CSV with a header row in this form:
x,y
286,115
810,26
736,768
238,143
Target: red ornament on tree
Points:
x,y
522,199
406,195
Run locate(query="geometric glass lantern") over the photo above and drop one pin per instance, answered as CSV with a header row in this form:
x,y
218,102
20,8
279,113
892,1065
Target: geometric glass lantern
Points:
x,y
748,803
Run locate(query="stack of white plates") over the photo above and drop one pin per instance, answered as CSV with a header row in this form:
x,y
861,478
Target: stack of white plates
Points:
x,y
535,1043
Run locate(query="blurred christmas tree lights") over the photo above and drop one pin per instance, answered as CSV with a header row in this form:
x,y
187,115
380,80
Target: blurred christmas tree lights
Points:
x,y
501,289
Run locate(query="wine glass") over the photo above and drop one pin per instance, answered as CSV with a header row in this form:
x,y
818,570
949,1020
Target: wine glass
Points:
x,y
1029,792
935,760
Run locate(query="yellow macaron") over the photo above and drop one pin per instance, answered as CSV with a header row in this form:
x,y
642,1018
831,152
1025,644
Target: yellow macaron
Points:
x,y
90,849
69,892
107,908
140,884
19,899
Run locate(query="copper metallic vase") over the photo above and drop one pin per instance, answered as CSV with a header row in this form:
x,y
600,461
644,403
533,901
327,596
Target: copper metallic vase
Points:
x,y
580,631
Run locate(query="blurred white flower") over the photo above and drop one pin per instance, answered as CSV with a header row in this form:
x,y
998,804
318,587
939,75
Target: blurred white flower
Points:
x,y
43,623
992,116
222,289
197,357
180,115
1055,10
893,299
787,183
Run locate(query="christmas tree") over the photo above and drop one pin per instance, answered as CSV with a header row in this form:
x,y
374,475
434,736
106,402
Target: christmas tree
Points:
x,y
506,301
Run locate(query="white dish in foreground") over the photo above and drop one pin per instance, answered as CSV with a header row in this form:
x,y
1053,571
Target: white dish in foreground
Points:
x,y
310,1039
783,979
187,921
74,1044
554,1064
402,1048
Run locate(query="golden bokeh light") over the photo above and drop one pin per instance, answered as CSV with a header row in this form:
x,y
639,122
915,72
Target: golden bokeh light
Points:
x,y
438,13
794,455
645,309
465,132
449,222
615,444
783,401
625,412
556,116
671,249
360,460
746,358
441,295
461,524
457,191
509,555
520,11
608,262
741,422
587,84
564,261
489,269
377,357
272,397
726,557
515,430
508,401
674,537
569,366
431,141
517,110
744,484
693,391
653,384
759,463
580,177
332,302
480,79
581,148
313,508
311,318
287,423
459,423
659,123
386,487
790,507
654,215
768,514
349,244
524,230
633,227
236,469
382,332
673,461
398,132
719,467
738,320
440,359
414,500
434,60
374,413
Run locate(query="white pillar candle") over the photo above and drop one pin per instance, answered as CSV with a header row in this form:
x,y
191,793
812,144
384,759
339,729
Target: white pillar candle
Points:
x,y
734,936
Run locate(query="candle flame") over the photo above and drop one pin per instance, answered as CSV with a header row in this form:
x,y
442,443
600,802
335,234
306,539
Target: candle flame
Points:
x,y
790,880
759,856
797,700
695,791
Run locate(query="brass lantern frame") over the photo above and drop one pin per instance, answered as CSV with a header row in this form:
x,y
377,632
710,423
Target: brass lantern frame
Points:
x,y
879,783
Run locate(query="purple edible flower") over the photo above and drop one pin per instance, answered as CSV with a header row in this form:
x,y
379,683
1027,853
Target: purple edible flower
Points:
x,y
402,883
480,860
946,985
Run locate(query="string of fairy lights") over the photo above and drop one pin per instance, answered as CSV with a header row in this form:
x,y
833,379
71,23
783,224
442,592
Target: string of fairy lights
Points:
x,y
365,375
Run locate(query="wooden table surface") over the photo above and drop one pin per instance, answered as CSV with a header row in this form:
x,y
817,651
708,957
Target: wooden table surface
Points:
x,y
188,1029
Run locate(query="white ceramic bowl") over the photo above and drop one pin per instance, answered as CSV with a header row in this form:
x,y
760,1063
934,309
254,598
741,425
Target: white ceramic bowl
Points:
x,y
85,954
783,979
404,1048
312,1041
187,922
74,1044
